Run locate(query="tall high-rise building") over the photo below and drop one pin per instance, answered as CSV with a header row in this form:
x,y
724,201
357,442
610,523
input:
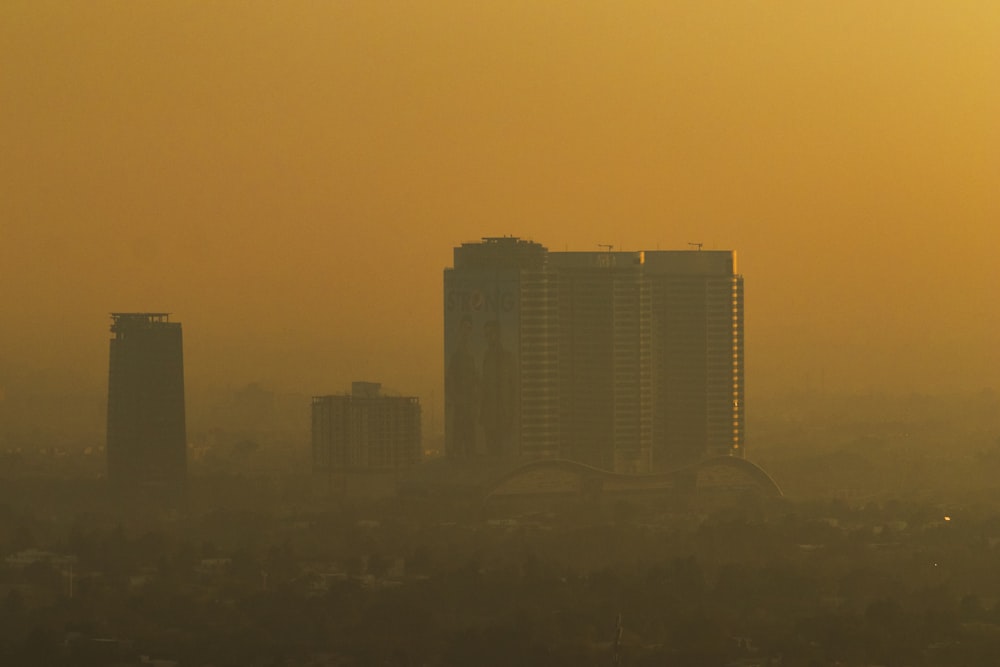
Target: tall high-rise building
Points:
x,y
696,299
629,361
500,395
603,349
364,430
146,443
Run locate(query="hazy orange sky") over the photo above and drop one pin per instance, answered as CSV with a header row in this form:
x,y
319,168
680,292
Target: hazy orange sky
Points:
x,y
289,178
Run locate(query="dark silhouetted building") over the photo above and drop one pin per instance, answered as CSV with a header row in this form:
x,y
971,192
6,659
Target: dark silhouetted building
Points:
x,y
364,430
146,443
500,399
628,361
696,299
603,348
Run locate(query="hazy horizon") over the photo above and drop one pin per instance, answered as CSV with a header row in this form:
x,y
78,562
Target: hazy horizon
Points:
x,y
289,180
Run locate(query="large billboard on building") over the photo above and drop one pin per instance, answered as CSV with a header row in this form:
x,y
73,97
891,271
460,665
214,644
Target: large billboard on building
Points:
x,y
482,353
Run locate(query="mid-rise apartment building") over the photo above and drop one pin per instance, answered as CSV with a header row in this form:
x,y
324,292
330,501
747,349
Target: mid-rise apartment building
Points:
x,y
365,430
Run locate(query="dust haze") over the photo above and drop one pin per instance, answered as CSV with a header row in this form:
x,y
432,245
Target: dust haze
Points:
x,y
289,180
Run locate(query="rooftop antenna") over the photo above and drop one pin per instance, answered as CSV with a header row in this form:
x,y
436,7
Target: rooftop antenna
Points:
x,y
696,246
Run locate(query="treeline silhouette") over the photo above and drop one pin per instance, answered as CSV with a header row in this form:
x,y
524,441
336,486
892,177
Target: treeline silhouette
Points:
x,y
417,583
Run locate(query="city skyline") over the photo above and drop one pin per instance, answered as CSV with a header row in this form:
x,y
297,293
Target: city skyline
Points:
x,y
600,450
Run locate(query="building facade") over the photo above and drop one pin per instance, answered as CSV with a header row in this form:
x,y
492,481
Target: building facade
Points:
x,y
696,299
146,434
603,350
500,397
627,361
365,430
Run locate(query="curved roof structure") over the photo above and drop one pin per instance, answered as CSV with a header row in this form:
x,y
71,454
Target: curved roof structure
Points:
x,y
565,477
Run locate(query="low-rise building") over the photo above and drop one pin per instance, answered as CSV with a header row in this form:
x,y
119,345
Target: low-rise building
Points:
x,y
365,430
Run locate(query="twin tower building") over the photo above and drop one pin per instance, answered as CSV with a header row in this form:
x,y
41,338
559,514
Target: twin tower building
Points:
x,y
627,361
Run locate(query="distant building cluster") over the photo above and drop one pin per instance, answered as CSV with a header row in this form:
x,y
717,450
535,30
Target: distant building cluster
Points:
x,y
365,430
627,361
146,433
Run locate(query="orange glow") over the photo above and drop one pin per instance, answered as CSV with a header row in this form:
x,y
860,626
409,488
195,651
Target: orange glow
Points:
x,y
288,179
